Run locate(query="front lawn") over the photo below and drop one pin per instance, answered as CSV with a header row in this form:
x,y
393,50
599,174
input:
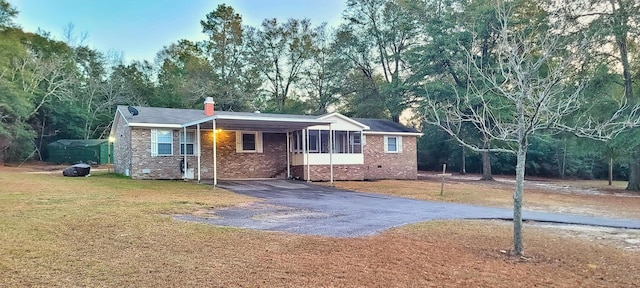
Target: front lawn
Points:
x,y
110,231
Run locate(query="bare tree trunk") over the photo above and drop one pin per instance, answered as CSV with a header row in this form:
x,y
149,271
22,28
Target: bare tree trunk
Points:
x,y
518,245
621,36
634,172
486,160
486,166
463,169
564,160
610,171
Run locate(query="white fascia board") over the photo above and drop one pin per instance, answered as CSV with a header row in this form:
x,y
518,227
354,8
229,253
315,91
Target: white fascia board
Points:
x,y
122,116
114,124
277,119
259,118
345,118
210,118
392,133
117,115
155,125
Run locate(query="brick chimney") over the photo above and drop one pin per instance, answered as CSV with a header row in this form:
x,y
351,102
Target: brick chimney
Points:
x,y
209,104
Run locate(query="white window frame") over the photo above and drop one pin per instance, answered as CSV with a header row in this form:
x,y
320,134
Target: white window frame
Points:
x,y
353,144
398,144
155,142
192,142
240,146
314,139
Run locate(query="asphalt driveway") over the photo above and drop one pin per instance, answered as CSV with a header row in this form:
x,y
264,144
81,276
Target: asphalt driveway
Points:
x,y
305,208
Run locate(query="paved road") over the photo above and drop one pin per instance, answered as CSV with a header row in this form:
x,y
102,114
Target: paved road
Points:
x,y
303,208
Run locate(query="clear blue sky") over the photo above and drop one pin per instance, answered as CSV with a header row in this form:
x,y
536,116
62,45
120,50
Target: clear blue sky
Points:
x,y
140,28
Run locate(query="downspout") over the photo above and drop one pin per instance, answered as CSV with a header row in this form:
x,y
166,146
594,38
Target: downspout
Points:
x,y
215,156
199,153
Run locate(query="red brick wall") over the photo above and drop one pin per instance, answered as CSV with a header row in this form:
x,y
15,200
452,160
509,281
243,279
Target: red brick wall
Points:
x,y
231,165
272,162
381,165
143,166
323,172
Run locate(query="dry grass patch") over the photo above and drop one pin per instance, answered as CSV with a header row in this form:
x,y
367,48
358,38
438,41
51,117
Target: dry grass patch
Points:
x,y
44,217
112,232
500,194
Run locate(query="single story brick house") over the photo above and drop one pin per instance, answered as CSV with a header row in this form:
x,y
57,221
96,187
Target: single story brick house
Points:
x,y
155,143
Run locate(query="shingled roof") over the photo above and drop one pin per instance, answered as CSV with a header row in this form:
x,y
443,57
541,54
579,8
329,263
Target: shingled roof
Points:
x,y
171,117
158,115
383,125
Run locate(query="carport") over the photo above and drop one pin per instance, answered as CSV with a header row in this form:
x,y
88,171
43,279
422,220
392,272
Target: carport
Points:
x,y
269,123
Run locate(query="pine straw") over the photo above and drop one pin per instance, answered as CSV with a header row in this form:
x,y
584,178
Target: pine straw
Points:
x,y
114,232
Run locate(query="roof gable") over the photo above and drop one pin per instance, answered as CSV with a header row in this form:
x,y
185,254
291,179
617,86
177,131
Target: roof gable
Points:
x,y
349,121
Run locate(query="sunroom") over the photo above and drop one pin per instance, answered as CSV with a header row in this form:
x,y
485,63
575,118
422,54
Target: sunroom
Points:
x,y
318,151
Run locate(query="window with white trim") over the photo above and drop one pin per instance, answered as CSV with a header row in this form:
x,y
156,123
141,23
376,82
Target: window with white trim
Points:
x,y
393,144
314,141
297,141
347,142
344,142
189,142
248,142
161,142
324,141
355,141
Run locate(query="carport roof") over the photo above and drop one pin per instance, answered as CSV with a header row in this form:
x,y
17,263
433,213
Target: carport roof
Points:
x,y
180,118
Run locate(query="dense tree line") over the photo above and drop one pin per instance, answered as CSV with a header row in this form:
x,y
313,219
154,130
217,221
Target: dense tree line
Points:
x,y
386,59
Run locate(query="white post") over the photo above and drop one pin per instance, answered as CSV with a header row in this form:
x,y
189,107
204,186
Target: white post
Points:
x,y
331,153
305,151
288,156
215,156
184,152
199,152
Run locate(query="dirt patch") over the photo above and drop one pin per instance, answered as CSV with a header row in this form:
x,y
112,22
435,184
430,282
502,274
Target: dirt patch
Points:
x,y
586,187
626,239
592,198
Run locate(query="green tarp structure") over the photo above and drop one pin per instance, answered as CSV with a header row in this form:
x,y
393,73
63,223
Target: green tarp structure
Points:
x,y
67,151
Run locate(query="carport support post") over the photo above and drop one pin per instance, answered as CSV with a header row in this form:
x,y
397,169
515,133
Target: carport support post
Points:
x,y
199,160
288,156
184,152
306,153
215,156
331,154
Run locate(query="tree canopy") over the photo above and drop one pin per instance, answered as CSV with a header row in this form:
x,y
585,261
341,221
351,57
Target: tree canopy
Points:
x,y
383,61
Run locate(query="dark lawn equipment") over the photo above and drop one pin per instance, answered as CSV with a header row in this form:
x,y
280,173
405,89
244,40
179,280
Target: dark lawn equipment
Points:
x,y
77,170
